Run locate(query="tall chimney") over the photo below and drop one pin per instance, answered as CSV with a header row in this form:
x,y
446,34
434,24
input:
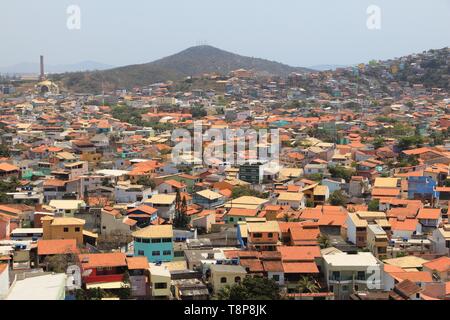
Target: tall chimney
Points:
x,y
42,76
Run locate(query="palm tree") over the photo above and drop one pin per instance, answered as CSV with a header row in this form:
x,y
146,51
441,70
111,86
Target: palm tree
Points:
x,y
307,285
324,241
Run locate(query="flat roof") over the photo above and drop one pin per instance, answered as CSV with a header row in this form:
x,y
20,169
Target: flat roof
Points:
x,y
361,259
45,287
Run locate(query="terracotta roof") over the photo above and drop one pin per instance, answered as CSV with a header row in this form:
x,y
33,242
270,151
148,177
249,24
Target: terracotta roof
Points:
x,y
429,213
95,260
441,264
50,247
300,267
299,253
137,263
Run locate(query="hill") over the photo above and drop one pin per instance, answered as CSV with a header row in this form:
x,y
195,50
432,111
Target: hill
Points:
x,y
193,61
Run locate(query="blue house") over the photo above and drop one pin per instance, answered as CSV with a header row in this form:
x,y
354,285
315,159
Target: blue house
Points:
x,y
154,242
421,188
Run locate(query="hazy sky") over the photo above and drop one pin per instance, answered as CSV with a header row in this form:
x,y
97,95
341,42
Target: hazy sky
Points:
x,y
296,32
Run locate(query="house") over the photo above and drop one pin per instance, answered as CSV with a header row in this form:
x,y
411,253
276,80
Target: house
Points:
x,y
160,282
295,200
321,194
154,242
429,218
138,274
299,261
190,289
223,275
144,215
113,222
9,171
103,270
377,241
208,199
333,185
263,236
247,202
405,290
164,203
237,214
441,240
67,208
171,186
62,228
131,193
439,268
346,273
46,248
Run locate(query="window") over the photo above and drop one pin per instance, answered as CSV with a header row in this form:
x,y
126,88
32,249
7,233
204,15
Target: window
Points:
x,y
231,219
146,240
257,235
167,253
156,253
270,235
223,280
141,253
276,277
166,240
331,289
160,285
237,279
336,275
361,275
77,229
356,288
156,240
345,288
66,229
138,240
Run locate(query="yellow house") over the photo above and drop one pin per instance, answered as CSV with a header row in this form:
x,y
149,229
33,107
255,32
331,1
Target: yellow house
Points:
x,y
62,228
223,275
160,280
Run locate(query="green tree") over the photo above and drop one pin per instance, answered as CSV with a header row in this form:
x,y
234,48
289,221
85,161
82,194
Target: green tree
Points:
x,y
241,191
374,205
147,182
338,198
198,112
307,285
251,288
342,173
181,220
324,241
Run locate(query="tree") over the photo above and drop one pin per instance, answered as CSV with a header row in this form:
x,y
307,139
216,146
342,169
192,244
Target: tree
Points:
x,y
307,285
198,112
342,173
59,263
147,182
338,198
181,220
241,191
324,241
90,294
251,288
378,142
374,205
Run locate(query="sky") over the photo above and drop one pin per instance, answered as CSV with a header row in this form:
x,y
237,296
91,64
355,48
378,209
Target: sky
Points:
x,y
295,32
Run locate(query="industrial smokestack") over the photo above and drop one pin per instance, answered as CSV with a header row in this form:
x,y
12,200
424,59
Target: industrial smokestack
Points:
x,y
42,76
